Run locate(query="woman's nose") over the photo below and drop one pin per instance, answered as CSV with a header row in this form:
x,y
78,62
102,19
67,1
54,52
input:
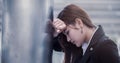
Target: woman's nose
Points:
x,y
68,39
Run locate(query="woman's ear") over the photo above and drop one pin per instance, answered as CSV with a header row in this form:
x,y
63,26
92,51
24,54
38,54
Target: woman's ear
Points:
x,y
78,23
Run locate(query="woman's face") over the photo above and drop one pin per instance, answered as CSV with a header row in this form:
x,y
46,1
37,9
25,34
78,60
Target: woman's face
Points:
x,y
74,35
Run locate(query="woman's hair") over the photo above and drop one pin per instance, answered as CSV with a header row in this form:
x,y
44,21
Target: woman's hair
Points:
x,y
72,53
71,12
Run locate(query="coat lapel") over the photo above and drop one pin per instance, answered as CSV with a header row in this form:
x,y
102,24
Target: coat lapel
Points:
x,y
93,43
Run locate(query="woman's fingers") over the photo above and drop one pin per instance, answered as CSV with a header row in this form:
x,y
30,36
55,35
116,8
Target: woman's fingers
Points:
x,y
59,25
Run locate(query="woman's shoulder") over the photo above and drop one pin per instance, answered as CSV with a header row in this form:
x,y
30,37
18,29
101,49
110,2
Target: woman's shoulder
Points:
x,y
107,51
107,46
107,42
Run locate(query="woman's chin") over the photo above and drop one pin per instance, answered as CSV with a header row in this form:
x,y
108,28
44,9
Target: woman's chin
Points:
x,y
77,45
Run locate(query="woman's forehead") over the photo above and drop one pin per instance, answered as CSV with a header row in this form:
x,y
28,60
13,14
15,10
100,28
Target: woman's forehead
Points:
x,y
70,26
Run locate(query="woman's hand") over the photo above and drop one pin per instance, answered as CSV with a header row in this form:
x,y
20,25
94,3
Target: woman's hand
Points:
x,y
59,26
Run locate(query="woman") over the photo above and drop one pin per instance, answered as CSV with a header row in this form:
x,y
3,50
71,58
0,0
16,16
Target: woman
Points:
x,y
81,40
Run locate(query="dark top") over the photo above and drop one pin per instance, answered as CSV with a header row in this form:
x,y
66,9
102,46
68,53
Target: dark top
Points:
x,y
100,50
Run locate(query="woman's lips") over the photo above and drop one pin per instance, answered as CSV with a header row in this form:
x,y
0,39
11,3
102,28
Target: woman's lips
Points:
x,y
73,42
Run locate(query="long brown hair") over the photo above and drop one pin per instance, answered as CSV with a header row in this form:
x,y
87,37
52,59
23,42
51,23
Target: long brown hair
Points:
x,y
72,53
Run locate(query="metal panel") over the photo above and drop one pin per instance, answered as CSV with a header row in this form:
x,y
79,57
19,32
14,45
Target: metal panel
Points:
x,y
24,39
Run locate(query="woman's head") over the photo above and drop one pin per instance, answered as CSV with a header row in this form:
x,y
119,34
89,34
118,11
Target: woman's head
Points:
x,y
77,21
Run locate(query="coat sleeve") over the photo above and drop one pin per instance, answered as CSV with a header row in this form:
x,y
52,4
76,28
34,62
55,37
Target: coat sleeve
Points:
x,y
108,52
56,45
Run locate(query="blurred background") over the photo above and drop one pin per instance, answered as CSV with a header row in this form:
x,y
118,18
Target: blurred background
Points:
x,y
1,14
102,12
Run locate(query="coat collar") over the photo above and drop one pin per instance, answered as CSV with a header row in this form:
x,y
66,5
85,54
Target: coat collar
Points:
x,y
86,44
96,38
98,34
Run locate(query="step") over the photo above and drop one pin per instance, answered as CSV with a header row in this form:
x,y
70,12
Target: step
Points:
x,y
99,14
86,2
93,7
106,20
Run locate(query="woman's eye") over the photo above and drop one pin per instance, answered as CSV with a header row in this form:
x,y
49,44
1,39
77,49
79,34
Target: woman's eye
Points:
x,y
67,32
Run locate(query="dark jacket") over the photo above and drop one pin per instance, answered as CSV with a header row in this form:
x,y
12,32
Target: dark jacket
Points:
x,y
100,50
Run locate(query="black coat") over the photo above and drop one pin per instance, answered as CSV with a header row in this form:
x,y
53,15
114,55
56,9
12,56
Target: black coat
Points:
x,y
100,50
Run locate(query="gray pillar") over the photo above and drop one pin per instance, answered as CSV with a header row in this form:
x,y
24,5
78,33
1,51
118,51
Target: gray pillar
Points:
x,y
24,36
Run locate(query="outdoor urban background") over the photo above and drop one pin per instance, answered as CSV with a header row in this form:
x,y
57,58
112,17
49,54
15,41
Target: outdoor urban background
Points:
x,y
102,12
